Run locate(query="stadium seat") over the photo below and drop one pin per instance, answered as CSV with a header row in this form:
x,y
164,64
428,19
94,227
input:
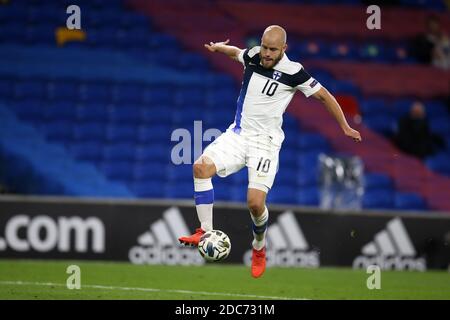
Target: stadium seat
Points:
x,y
58,131
126,114
409,201
119,151
439,163
121,133
147,189
181,190
63,91
157,152
89,131
87,151
378,199
117,170
378,181
309,142
308,196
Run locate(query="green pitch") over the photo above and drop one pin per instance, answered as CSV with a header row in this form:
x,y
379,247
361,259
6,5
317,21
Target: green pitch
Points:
x,y
21,279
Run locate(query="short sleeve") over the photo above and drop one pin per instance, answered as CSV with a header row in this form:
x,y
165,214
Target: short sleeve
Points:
x,y
309,87
243,56
307,84
249,55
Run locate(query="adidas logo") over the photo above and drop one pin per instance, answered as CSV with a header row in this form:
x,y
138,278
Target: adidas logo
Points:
x,y
391,249
287,245
159,245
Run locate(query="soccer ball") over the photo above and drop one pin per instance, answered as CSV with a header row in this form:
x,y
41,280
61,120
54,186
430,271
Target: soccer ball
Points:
x,y
214,245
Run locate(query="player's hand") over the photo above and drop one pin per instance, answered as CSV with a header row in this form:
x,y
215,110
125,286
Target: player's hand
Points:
x,y
354,134
212,46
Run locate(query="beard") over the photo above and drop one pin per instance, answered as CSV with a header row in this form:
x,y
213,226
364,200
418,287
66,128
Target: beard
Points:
x,y
270,64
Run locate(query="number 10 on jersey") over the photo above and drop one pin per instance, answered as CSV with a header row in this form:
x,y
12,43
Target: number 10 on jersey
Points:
x,y
270,88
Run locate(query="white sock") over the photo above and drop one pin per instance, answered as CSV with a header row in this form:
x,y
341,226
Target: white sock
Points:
x,y
204,200
260,229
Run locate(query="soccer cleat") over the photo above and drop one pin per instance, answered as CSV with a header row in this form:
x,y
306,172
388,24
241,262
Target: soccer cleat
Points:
x,y
258,262
192,240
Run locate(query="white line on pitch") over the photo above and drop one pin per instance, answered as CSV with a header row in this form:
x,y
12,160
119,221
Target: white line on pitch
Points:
x,y
152,290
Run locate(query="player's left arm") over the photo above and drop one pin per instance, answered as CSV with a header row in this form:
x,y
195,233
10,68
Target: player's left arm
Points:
x,y
329,101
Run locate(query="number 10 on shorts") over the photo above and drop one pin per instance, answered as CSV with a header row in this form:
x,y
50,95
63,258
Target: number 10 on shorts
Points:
x,y
264,165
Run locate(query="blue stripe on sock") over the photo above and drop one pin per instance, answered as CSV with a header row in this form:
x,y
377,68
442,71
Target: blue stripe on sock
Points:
x,y
259,229
204,197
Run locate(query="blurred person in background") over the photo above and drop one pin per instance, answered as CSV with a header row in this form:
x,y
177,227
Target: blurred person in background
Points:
x,y
414,136
433,47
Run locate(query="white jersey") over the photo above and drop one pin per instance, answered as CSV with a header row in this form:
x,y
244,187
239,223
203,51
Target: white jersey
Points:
x,y
266,93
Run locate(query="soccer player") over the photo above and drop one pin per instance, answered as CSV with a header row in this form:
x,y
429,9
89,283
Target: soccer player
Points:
x,y
254,138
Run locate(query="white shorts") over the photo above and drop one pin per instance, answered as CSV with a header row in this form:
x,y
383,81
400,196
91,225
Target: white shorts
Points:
x,y
230,152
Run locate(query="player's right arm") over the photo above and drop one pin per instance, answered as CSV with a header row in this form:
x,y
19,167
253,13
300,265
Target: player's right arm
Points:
x,y
223,47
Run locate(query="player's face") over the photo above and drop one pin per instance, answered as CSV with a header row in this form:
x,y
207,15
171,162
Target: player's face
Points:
x,y
271,54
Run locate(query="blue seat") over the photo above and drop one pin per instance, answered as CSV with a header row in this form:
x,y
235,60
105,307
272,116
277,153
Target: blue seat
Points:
x,y
30,89
221,193
154,133
155,95
183,190
344,87
185,117
311,49
373,106
191,61
377,181
239,178
121,133
128,93
282,194
312,142
6,88
60,131
127,114
180,173
158,40
61,110
238,193
119,151
117,170
90,151
95,92
308,196
409,201
155,152
381,123
440,126
159,114
39,34
63,91
92,112
288,158
286,177
307,178
90,131
378,199
149,171
401,107
436,109
439,163
189,95
308,160
321,75
372,52
343,50
29,110
147,189
129,20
